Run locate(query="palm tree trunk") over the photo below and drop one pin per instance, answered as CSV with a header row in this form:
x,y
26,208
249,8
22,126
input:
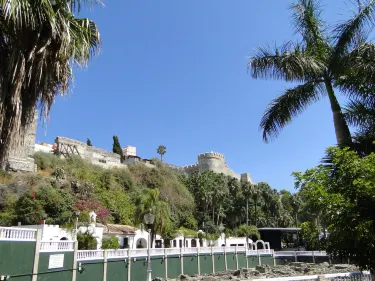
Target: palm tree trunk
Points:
x,y
343,136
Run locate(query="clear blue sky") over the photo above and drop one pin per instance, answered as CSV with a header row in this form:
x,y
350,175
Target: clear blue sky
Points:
x,y
174,73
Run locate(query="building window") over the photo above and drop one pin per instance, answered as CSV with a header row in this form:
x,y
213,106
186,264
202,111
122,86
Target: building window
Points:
x,y
102,161
180,243
158,244
174,244
193,243
126,242
187,243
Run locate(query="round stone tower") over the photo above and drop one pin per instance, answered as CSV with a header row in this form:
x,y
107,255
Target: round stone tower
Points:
x,y
213,161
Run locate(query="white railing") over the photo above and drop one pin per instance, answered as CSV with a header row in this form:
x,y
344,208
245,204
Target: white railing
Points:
x,y
157,252
353,276
205,250
218,249
265,252
300,253
47,246
17,234
139,253
173,251
90,254
117,253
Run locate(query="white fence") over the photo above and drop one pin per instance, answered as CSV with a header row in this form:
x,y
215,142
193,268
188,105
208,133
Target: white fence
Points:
x,y
351,276
124,253
300,253
47,246
90,254
17,234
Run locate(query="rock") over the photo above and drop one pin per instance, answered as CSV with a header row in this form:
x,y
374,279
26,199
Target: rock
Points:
x,y
262,268
237,273
182,277
297,264
341,266
324,264
254,272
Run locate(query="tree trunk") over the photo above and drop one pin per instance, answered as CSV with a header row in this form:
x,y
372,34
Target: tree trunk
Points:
x,y
343,136
247,211
256,201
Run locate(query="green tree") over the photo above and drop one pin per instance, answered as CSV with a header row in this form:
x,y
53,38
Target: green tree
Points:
x,y
344,196
86,241
149,201
310,234
88,142
161,150
40,42
248,231
117,147
111,242
322,61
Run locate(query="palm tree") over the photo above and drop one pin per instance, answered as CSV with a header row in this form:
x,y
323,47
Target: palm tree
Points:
x,y
161,150
39,42
325,59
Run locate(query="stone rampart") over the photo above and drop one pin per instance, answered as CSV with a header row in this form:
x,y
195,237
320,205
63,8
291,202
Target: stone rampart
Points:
x,y
94,155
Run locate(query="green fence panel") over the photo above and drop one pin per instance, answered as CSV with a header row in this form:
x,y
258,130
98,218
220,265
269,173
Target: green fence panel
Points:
x,y
267,260
117,270
174,266
55,274
283,260
138,270
219,262
190,265
158,267
17,258
241,260
92,270
205,261
231,261
253,261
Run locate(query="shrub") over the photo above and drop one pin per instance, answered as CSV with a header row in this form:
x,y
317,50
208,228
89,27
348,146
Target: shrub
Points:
x,y
86,241
111,242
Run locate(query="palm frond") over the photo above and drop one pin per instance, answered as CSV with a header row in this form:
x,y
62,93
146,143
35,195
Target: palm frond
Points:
x,y
358,72
283,109
347,32
289,62
307,22
360,113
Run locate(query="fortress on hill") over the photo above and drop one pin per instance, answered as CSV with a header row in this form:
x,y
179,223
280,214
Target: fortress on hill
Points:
x,y
21,160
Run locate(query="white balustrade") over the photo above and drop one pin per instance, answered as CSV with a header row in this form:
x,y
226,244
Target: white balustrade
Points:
x,y
173,251
353,276
264,252
48,246
157,252
218,249
117,253
190,251
17,234
139,253
90,254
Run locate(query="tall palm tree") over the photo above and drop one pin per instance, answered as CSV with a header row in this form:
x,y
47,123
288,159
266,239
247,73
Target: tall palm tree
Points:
x,y
39,43
161,150
325,59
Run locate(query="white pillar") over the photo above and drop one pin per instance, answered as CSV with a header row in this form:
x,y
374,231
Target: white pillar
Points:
x,y
36,254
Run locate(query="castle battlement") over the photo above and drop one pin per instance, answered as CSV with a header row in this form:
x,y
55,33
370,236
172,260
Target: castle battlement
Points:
x,y
190,166
211,155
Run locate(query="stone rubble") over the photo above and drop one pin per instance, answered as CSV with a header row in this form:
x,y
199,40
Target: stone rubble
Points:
x,y
266,271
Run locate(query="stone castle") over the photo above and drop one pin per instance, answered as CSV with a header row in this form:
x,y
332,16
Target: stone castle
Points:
x,y
21,160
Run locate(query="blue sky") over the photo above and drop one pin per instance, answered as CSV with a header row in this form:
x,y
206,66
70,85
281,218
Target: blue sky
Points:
x,y
174,73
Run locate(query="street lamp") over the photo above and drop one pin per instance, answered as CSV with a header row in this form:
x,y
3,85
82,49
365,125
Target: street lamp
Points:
x,y
44,218
149,220
77,213
221,228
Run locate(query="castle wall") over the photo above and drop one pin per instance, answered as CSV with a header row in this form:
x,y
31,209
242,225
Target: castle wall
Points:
x,y
91,154
213,161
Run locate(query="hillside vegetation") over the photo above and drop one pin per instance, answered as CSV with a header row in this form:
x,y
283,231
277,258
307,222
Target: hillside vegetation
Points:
x,y
124,195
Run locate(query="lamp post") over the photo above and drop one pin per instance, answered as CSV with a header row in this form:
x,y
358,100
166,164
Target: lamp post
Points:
x,y
44,218
76,213
149,220
221,228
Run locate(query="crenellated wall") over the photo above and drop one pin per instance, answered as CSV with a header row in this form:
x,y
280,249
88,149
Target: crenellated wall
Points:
x,y
214,161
